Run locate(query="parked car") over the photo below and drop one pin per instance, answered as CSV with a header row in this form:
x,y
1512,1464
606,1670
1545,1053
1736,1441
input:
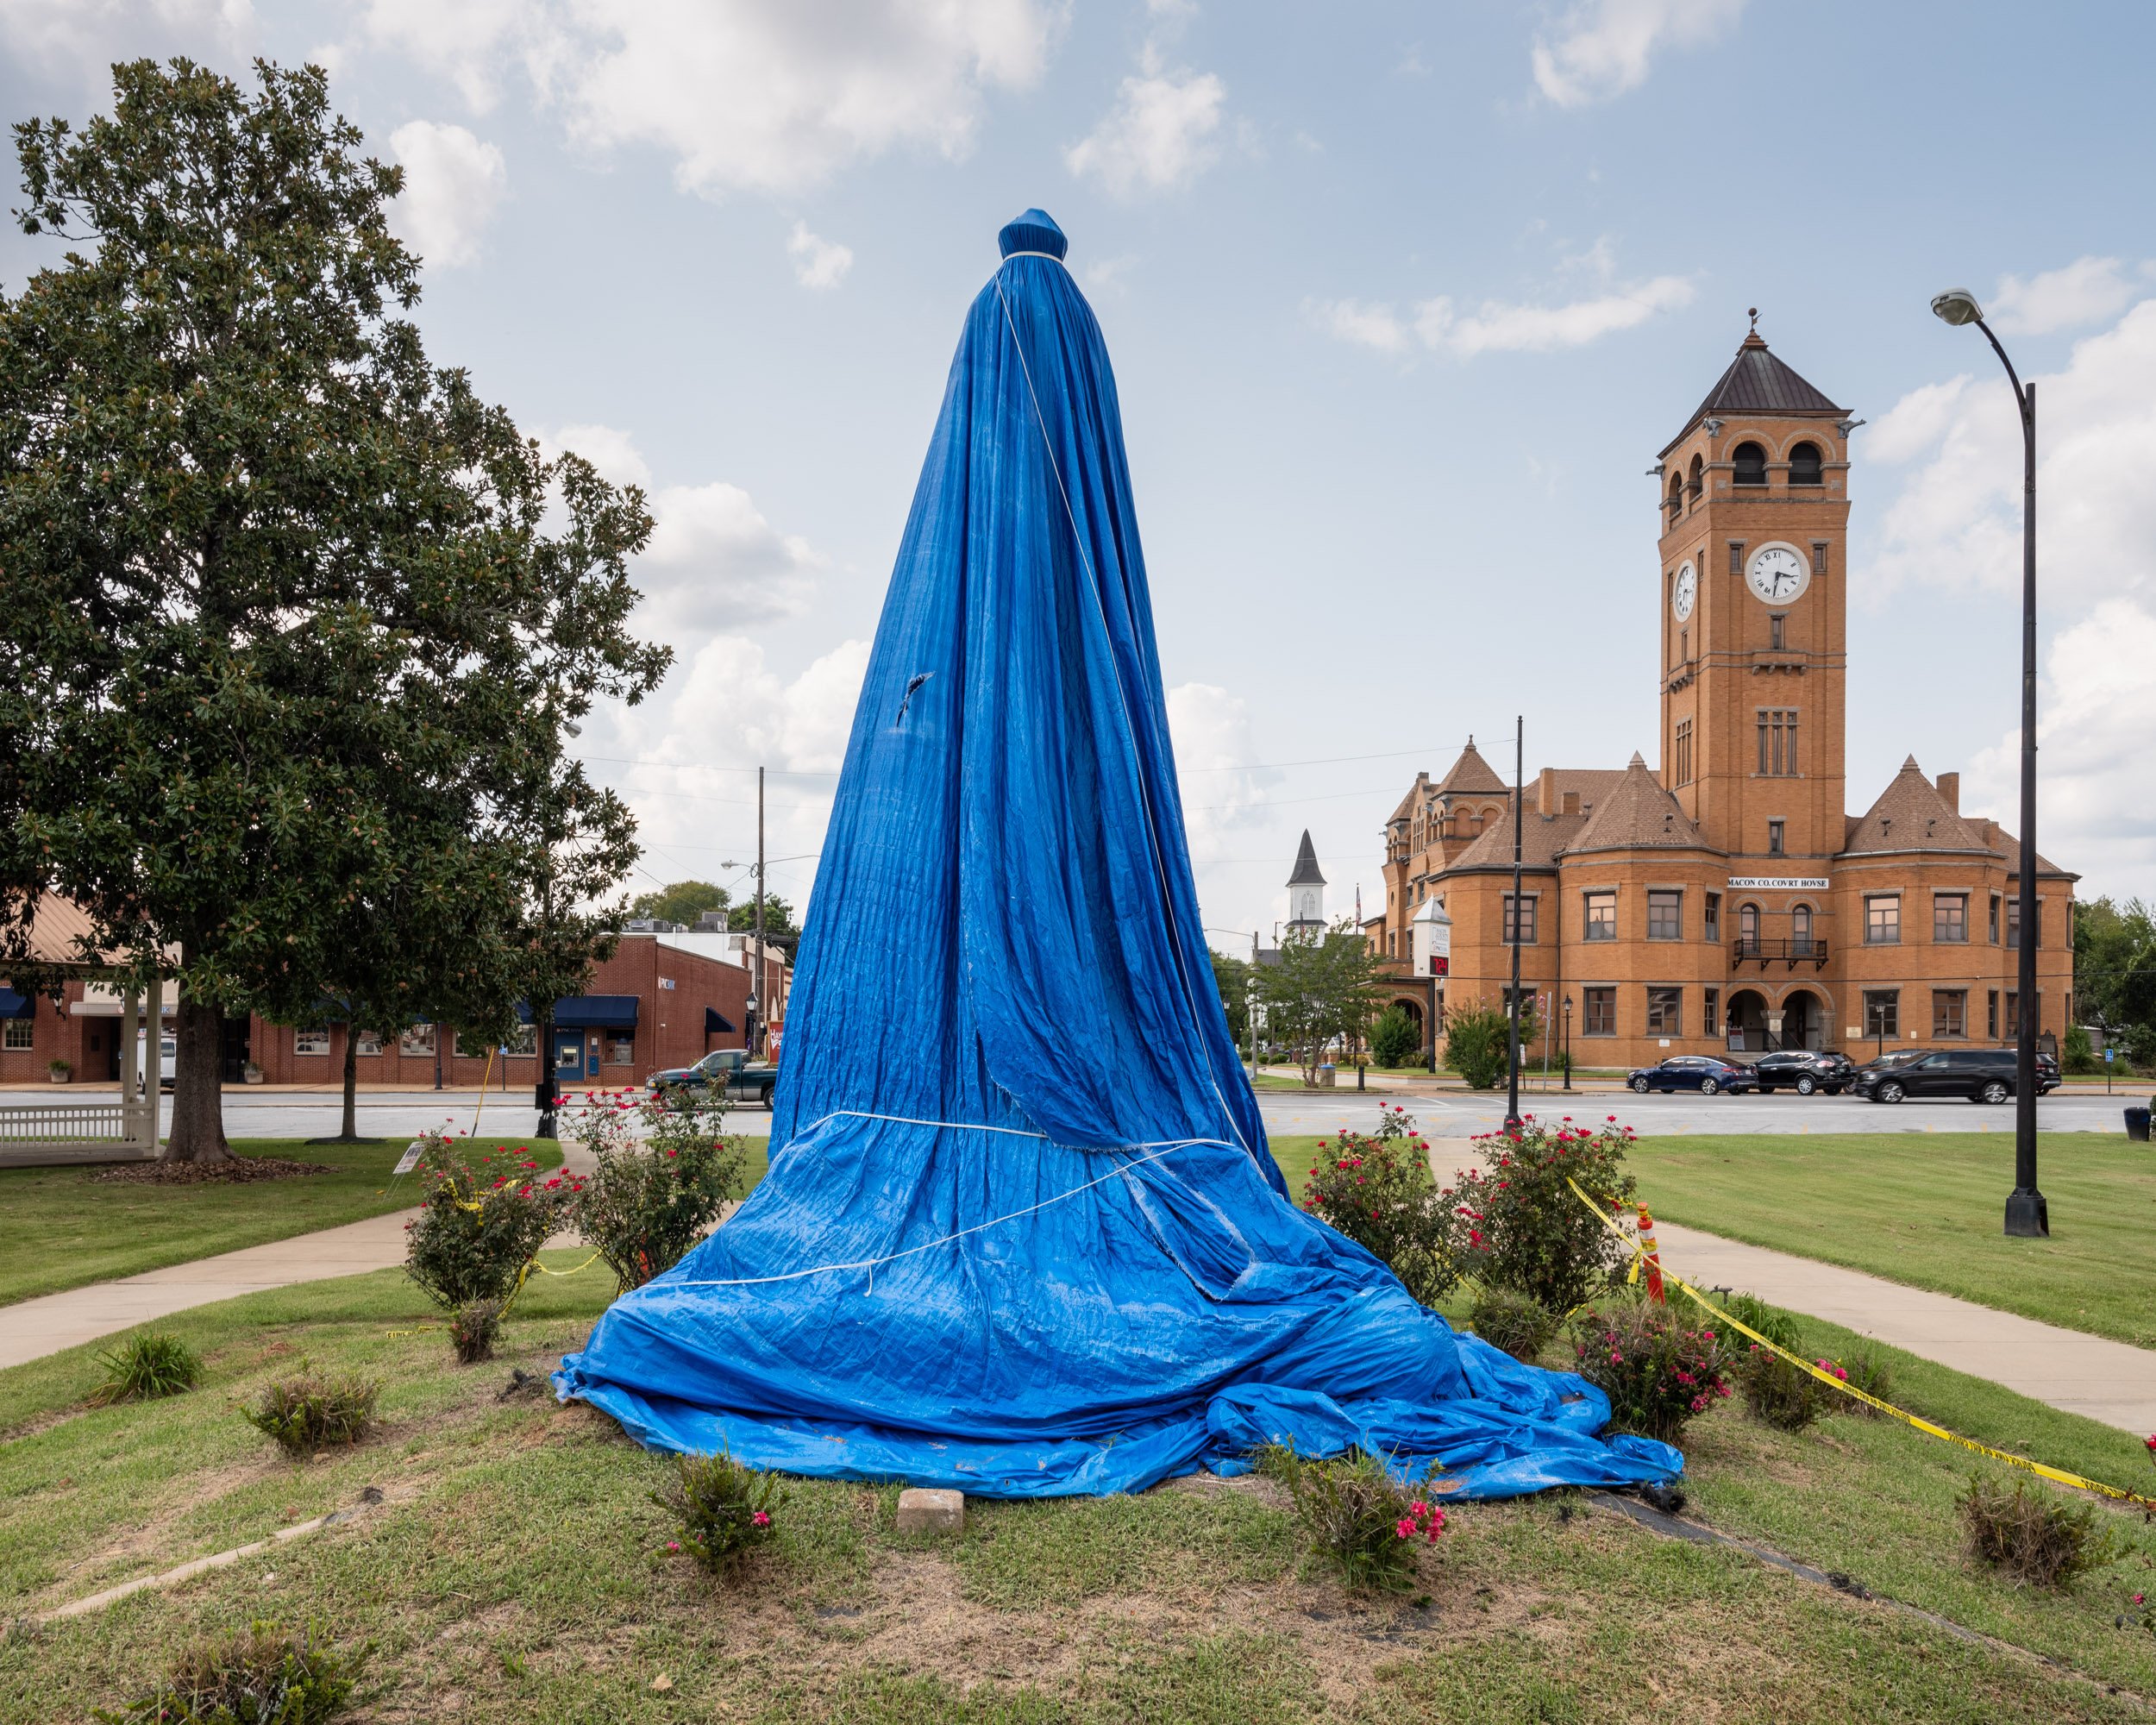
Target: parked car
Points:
x,y
1804,1072
723,1071
1702,1072
1982,1075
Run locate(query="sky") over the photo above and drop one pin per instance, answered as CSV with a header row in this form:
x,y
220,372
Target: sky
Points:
x,y
1402,298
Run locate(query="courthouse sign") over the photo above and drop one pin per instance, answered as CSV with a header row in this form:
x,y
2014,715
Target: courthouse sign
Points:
x,y
1778,883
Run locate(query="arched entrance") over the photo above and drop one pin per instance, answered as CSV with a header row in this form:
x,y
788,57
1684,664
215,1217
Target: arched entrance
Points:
x,y
1747,1022
1803,1021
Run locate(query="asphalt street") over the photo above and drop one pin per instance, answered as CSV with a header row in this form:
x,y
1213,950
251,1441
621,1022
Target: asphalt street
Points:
x,y
402,1113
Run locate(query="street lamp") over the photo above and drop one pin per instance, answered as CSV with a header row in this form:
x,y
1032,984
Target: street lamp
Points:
x,y
2027,1215
1568,1041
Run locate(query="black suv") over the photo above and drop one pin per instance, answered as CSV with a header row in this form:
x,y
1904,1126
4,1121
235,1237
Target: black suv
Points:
x,y
1802,1071
1982,1075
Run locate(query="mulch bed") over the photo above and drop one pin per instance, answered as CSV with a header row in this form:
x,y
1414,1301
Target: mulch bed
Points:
x,y
240,1171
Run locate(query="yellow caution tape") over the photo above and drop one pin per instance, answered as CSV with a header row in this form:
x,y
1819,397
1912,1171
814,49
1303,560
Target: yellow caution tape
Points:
x,y
2060,1475
579,1271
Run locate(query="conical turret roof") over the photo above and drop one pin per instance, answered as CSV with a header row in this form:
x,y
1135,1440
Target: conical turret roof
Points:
x,y
1757,382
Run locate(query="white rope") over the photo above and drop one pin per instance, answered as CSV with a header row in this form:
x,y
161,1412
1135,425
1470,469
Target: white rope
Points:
x,y
908,1120
1050,256
870,1264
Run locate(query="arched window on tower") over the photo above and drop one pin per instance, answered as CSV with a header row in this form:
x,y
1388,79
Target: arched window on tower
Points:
x,y
1676,495
1805,466
1697,478
1748,931
1751,462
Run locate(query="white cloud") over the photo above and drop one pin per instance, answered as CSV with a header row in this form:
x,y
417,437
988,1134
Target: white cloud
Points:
x,y
2093,724
1160,136
1498,327
765,95
453,183
1365,325
1107,275
1223,789
818,263
714,561
2086,291
1503,326
82,38
1957,519
1603,49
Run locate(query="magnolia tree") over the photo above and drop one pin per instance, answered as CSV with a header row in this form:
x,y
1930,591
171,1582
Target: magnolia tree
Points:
x,y
297,623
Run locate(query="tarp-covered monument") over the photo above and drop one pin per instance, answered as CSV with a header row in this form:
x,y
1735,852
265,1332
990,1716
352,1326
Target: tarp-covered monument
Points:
x,y
1021,1234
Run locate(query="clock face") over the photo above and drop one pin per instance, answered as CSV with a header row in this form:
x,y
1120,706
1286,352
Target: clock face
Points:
x,y
1684,592
1778,574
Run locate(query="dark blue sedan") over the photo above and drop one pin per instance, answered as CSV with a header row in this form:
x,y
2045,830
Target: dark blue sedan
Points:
x,y
1700,1072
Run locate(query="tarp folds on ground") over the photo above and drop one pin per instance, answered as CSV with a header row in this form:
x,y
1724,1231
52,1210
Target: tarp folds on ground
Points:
x,y
1021,1234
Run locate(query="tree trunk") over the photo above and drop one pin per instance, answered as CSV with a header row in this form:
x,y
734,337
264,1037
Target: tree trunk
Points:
x,y
351,1127
197,1084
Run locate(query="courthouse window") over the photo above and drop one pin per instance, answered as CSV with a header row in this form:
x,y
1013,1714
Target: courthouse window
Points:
x,y
1993,937
1519,920
1601,916
1602,1012
1665,916
2014,1013
1777,742
1991,1014
1710,1011
1950,1012
1665,1012
2014,923
1882,1012
1711,928
1684,751
1883,921
1950,918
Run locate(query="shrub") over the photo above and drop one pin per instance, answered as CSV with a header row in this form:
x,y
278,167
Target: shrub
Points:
x,y
1867,1370
1394,1039
1515,1322
1525,1229
2076,1052
486,1213
268,1675
1378,1192
1781,1393
1770,1321
1477,1035
2032,1534
652,1197
725,1509
146,1366
1656,1372
1354,1517
310,1413
474,1328
1394,1122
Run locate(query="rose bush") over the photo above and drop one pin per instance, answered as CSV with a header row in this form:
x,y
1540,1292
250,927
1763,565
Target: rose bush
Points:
x,y
1376,1190
486,1215
1521,1226
664,1173
1658,1371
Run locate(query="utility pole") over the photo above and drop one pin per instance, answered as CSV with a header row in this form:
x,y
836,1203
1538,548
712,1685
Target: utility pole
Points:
x,y
763,1007
1517,918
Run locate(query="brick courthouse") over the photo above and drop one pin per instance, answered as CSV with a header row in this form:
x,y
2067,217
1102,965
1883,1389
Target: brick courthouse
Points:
x,y
1727,901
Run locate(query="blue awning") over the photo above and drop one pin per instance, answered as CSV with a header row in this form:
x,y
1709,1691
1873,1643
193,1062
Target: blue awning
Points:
x,y
596,1012
716,1023
14,1006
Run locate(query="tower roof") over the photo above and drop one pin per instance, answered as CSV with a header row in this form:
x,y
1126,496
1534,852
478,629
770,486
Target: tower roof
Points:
x,y
1757,382
1636,814
1305,873
1472,774
1911,815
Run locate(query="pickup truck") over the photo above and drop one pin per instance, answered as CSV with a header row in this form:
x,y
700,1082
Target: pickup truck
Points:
x,y
723,1071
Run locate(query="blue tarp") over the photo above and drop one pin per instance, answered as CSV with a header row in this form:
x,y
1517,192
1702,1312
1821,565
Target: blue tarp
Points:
x,y
1021,1234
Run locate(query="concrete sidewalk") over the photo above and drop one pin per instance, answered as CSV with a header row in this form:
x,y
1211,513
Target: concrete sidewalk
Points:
x,y
30,1329
2078,1373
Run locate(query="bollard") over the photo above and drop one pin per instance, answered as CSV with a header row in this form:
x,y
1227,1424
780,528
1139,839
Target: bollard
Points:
x,y
1653,1256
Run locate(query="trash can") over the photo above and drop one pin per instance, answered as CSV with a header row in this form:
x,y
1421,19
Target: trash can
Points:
x,y
2137,1125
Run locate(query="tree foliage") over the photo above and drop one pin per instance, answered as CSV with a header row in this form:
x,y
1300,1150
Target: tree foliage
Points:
x,y
1318,991
682,902
297,622
1231,977
2114,972
1395,1038
780,931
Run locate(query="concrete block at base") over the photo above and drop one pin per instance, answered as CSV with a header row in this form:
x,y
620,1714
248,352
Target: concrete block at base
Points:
x,y
932,1512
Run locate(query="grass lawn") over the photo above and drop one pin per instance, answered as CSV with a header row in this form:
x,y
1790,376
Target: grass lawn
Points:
x,y
514,1571
65,1229
1925,1208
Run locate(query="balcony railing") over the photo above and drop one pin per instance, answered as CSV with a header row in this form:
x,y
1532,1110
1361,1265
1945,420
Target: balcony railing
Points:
x,y
1803,949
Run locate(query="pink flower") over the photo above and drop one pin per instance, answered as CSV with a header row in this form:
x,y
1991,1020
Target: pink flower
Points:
x,y
2138,1598
673,1544
1699,1404
761,1519
1418,1509
1404,1527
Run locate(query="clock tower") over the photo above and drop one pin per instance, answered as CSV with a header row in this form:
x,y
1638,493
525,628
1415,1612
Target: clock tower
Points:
x,y
1753,591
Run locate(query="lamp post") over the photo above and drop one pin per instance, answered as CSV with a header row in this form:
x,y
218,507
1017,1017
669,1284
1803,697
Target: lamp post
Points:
x,y
1511,1028
1568,1041
2027,1217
